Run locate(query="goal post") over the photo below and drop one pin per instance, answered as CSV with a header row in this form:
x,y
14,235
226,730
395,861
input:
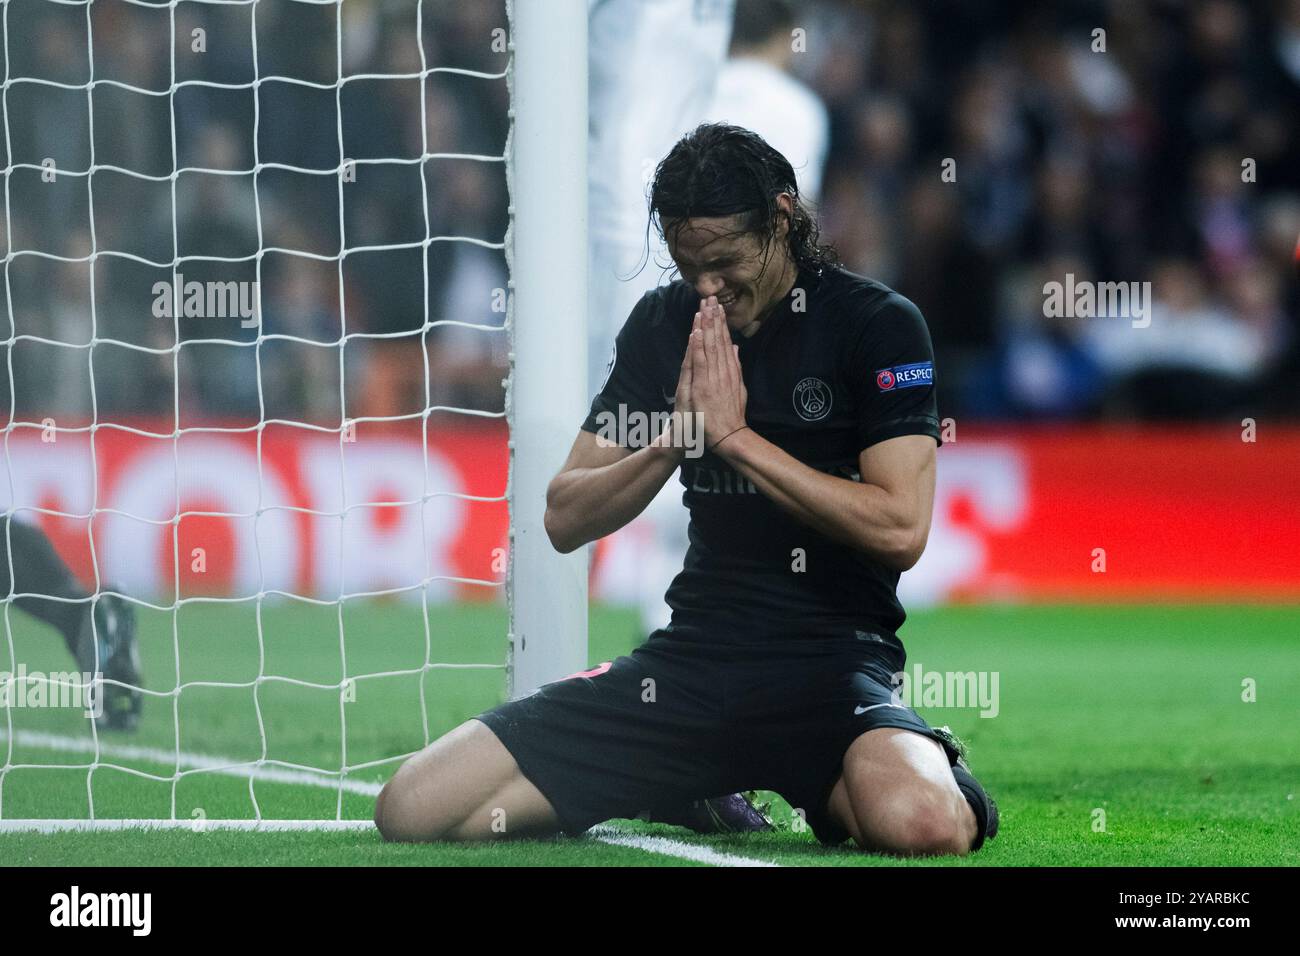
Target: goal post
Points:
x,y
546,398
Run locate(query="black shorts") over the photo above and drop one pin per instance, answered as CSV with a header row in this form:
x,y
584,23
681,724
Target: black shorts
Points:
x,y
680,720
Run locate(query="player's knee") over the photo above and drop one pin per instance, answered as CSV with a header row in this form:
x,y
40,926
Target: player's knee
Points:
x,y
380,819
400,816
926,823
390,812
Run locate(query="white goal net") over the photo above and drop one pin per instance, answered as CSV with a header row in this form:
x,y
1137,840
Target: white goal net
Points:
x,y
268,271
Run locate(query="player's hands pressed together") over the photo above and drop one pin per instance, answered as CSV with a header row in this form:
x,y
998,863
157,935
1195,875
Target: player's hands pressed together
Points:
x,y
717,387
681,406
682,399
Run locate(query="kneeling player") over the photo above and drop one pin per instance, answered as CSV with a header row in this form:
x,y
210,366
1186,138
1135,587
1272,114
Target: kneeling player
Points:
x,y
815,391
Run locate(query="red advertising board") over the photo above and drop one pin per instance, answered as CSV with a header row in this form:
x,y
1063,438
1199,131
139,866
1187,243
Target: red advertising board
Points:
x,y
1050,514
1191,514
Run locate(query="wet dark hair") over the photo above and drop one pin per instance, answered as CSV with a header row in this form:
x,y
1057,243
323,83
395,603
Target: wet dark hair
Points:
x,y
722,170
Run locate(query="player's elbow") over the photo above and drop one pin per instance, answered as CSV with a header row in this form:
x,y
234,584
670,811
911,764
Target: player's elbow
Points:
x,y
558,529
561,539
551,519
907,560
903,547
567,524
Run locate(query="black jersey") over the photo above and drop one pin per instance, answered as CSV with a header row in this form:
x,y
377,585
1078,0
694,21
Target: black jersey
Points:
x,y
842,363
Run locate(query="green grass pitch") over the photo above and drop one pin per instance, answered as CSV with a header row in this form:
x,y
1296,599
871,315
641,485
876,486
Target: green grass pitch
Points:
x,y
1127,717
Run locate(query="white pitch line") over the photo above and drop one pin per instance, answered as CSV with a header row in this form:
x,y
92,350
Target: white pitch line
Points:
x,y
674,848
196,825
229,766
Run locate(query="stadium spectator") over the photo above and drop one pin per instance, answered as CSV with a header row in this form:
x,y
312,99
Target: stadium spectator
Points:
x,y
755,90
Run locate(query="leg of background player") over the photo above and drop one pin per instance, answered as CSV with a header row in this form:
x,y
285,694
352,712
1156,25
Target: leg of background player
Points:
x,y
898,795
37,569
463,786
101,636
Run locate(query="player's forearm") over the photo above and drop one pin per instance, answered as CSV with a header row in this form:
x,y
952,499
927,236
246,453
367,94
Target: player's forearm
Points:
x,y
859,514
584,504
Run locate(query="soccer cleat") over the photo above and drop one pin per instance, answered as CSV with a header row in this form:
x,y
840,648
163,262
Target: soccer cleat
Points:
x,y
986,811
735,813
106,647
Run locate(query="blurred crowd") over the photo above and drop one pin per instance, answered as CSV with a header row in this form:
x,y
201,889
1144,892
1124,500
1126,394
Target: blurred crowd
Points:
x,y
978,150
1107,141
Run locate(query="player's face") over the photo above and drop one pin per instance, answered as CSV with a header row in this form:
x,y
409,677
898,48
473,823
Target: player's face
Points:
x,y
715,257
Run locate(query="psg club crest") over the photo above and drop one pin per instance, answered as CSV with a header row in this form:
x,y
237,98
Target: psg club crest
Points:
x,y
812,399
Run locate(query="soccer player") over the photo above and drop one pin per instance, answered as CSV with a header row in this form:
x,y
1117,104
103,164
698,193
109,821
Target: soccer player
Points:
x,y
99,634
815,390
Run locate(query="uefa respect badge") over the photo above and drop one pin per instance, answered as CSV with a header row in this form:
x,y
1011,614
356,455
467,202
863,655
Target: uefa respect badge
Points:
x,y
905,376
